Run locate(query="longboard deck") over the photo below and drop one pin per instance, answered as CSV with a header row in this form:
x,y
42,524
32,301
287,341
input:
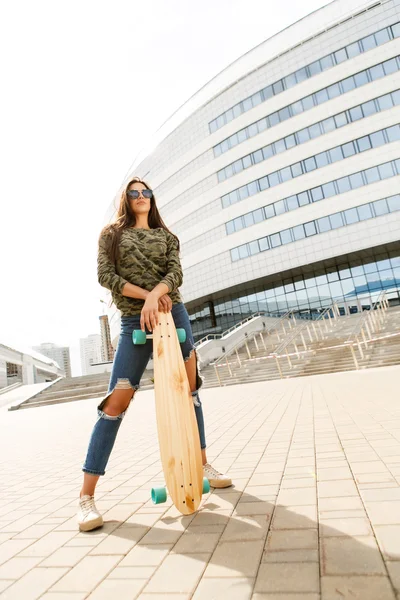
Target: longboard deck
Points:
x,y
178,432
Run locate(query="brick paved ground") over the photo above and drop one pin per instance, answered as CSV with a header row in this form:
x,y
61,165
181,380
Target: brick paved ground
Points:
x,y
314,514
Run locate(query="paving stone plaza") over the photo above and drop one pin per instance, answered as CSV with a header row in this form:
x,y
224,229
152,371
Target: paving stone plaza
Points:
x,y
314,512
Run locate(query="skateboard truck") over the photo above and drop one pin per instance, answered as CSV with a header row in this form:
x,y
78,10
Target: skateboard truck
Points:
x,y
140,337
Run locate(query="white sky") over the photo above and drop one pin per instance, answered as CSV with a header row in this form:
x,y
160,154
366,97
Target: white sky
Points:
x,y
84,82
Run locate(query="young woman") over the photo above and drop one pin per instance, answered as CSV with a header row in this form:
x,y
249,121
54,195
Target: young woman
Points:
x,y
138,248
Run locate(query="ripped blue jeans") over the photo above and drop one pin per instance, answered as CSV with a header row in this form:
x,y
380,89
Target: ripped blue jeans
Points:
x,y
130,361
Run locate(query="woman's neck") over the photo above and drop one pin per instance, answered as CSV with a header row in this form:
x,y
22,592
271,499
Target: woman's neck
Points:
x,y
141,223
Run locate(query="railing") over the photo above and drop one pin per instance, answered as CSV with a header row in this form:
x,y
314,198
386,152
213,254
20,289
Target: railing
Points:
x,y
314,328
329,315
218,336
310,316
11,387
306,334
279,323
369,322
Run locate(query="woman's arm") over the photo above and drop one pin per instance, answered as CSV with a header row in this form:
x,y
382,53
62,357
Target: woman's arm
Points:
x,y
106,272
174,277
149,314
134,291
109,278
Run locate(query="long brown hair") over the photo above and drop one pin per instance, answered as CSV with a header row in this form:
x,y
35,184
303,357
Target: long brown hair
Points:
x,y
127,218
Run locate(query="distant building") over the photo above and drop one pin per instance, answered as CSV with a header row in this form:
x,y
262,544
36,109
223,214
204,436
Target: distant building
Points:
x,y
107,351
24,366
58,353
91,351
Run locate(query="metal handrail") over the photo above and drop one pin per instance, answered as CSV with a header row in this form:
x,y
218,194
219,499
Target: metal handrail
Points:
x,y
288,339
367,324
299,330
363,317
248,339
215,336
289,315
10,388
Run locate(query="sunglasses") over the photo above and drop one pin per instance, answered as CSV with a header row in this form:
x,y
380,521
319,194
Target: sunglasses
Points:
x,y
135,193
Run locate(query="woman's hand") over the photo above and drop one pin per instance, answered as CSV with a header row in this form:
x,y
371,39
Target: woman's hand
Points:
x,y
165,304
149,314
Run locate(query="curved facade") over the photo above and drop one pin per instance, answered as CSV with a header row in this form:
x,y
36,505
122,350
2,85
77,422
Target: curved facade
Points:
x,y
281,176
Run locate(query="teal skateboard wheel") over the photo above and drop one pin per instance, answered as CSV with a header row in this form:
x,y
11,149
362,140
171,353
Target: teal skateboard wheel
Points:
x,y
181,335
159,495
139,336
206,485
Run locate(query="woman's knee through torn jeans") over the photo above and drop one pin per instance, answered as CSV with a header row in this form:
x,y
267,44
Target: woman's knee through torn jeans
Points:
x,y
130,361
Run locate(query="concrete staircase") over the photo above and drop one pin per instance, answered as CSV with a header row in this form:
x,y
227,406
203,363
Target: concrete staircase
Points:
x,y
328,354
74,388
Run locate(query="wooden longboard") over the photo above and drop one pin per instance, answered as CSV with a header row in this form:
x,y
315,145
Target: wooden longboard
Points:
x,y
178,433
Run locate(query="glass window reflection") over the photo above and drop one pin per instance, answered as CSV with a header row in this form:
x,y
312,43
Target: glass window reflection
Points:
x,y
357,270
360,283
258,215
382,36
372,175
361,78
348,149
315,68
340,120
321,96
394,203
292,202
385,170
275,240
269,211
323,224
353,49
340,56
336,289
377,139
298,232
322,159
286,236
310,228
333,90
336,154
253,247
356,180
303,198
332,276
356,113
336,220
326,62
343,185
376,72
348,84
369,108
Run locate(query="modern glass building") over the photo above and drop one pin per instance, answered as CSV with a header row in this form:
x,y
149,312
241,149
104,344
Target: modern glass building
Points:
x,y
281,176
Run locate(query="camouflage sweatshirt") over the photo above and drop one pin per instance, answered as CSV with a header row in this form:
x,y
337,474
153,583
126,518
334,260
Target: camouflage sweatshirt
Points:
x,y
146,257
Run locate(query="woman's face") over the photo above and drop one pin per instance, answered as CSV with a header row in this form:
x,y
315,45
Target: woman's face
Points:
x,y
139,205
